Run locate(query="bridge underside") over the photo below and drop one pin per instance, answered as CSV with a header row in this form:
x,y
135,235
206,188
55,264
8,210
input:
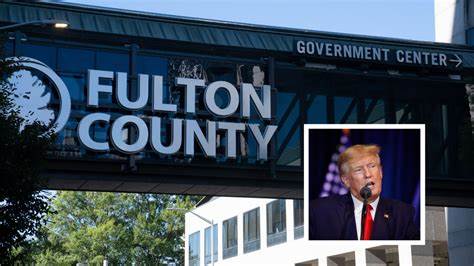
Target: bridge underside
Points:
x,y
172,179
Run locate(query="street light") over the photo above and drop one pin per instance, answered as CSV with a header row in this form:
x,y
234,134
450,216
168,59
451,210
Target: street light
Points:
x,y
211,222
60,24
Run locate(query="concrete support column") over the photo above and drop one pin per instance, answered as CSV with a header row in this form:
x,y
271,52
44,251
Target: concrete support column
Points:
x,y
423,255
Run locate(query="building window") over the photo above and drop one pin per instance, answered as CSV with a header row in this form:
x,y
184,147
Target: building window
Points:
x,y
194,249
276,222
298,218
76,87
207,244
68,60
288,134
252,230
229,238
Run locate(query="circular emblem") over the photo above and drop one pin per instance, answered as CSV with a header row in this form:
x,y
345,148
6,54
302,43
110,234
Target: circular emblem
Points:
x,y
30,97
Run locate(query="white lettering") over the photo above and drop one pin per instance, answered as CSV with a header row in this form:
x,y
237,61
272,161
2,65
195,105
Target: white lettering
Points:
x,y
190,88
442,59
83,131
176,136
400,56
376,54
416,57
385,53
367,53
319,48
130,133
231,128
347,51
262,140
408,57
122,91
358,52
434,59
117,134
263,107
300,47
94,87
210,101
329,49
426,57
337,50
157,92
207,143
310,47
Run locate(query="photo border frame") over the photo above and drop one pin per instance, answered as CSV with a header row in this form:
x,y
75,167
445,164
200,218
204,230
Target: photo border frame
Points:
x,y
328,243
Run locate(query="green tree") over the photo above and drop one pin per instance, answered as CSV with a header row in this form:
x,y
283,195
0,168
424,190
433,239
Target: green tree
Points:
x,y
89,227
22,153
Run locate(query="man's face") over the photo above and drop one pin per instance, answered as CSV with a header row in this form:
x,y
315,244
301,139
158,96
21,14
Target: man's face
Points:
x,y
361,171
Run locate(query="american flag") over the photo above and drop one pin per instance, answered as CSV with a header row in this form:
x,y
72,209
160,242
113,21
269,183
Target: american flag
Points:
x,y
332,184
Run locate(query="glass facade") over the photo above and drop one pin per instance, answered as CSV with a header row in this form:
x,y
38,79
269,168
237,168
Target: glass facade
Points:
x,y
300,95
72,65
276,222
252,230
345,98
229,238
194,249
207,244
298,218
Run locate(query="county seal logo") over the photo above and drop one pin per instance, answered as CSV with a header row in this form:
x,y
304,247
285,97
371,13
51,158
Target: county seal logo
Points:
x,y
31,97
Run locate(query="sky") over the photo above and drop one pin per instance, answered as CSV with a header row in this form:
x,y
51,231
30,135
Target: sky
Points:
x,y
405,19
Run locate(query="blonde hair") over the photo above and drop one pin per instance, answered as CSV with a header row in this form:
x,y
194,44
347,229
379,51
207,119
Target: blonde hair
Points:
x,y
354,152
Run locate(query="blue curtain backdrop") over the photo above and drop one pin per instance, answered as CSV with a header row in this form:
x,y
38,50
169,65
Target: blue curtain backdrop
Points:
x,y
400,156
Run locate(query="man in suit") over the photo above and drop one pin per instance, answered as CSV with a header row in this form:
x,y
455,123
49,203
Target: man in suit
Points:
x,y
361,214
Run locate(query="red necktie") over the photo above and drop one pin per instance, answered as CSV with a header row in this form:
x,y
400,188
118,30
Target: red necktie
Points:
x,y
368,222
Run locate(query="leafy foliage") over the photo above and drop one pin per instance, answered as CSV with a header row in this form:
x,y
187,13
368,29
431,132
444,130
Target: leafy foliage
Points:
x,y
22,153
88,227
82,226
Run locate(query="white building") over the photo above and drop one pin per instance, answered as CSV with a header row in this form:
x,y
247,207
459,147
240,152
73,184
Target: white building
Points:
x,y
454,23
255,231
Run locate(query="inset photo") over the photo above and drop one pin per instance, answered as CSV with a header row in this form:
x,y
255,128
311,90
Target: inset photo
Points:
x,y
365,182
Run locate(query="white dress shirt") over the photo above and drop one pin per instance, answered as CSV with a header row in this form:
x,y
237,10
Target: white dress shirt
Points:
x,y
358,206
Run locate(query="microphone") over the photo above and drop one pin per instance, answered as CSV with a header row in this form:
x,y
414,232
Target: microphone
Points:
x,y
365,192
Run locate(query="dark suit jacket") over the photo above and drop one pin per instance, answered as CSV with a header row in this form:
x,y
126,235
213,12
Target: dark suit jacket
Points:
x,y
332,218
